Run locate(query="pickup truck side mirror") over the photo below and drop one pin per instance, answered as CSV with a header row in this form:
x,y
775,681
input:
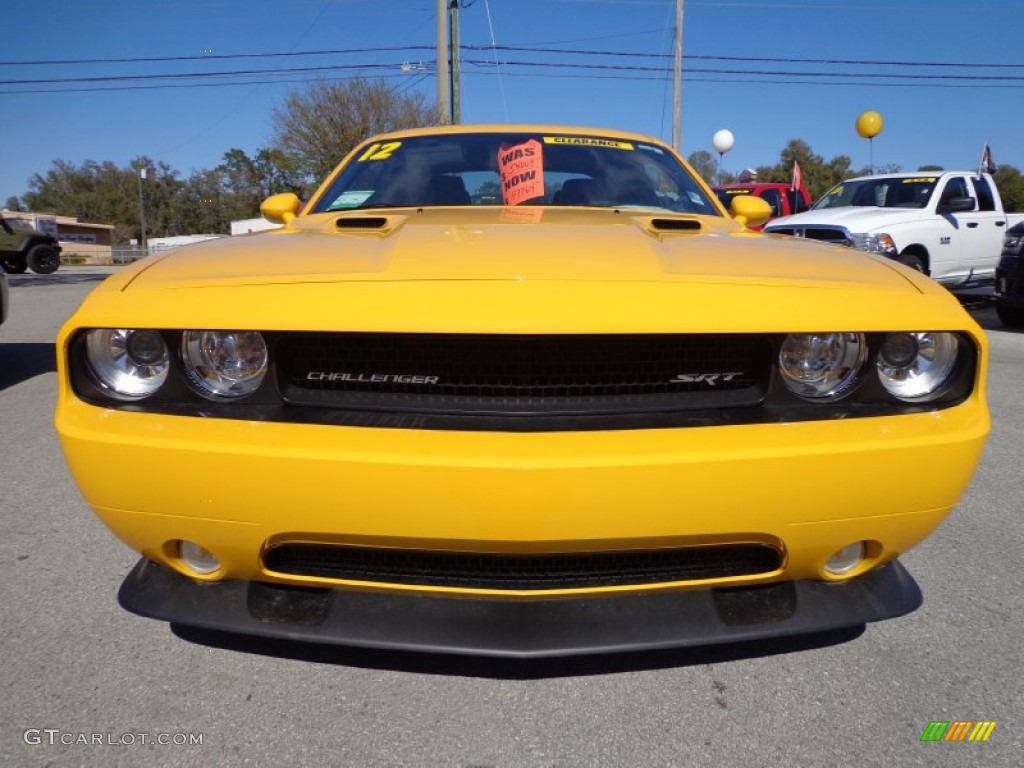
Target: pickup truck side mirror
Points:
x,y
957,205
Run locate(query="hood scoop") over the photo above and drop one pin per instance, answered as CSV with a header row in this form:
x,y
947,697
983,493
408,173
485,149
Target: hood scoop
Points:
x,y
676,225
362,223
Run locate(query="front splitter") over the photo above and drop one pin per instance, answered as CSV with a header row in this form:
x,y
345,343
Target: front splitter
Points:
x,y
531,628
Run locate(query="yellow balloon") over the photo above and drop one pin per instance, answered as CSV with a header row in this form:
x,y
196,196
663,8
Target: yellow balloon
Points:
x,y
869,124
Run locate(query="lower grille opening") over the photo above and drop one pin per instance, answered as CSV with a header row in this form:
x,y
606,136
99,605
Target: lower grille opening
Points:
x,y
474,570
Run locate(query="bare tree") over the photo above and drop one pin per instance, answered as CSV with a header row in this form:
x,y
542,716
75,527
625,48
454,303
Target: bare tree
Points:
x,y
318,126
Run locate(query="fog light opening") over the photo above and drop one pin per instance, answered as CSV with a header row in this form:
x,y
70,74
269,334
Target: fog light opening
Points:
x,y
197,559
846,559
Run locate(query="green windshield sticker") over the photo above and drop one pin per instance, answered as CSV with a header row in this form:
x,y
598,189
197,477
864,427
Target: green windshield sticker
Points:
x,y
352,198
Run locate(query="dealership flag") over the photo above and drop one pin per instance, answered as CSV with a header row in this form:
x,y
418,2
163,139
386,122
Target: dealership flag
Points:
x,y
798,177
987,166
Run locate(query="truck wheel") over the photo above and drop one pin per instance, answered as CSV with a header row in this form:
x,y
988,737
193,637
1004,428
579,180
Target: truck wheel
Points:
x,y
15,265
913,261
43,259
1011,317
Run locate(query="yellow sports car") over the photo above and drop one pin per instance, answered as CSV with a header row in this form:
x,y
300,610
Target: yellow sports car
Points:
x,y
520,391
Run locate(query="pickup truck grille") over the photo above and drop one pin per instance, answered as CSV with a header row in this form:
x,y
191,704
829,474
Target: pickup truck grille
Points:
x,y
833,235
516,375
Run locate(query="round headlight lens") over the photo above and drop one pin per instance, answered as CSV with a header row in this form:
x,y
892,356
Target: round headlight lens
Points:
x,y
129,364
822,366
916,366
224,364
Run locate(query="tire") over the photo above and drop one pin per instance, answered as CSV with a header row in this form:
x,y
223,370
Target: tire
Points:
x,y
15,265
913,261
1011,317
43,259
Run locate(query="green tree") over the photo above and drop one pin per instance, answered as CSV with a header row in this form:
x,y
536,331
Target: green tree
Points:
x,y
820,175
317,127
1010,183
704,163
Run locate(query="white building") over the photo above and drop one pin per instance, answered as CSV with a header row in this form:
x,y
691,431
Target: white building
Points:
x,y
248,226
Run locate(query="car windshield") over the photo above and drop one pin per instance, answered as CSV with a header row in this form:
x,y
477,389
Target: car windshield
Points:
x,y
883,192
18,224
507,169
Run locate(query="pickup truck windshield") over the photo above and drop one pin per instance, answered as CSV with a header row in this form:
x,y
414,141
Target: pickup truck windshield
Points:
x,y
882,192
514,168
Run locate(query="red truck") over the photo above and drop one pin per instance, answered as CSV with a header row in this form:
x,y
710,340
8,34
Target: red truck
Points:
x,y
784,200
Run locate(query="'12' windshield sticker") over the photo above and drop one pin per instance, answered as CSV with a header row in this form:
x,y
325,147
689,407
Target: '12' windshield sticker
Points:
x,y
379,151
584,141
521,167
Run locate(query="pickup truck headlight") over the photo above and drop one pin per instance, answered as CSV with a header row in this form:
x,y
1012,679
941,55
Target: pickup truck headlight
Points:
x,y
879,243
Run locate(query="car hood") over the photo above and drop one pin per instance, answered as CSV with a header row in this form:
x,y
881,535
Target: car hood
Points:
x,y
569,246
518,271
854,218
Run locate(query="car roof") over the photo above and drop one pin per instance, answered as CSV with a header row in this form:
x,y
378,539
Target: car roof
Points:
x,y
443,130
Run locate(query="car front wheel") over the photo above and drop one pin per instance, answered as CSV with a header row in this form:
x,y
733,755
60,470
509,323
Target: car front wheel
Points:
x,y
913,261
1011,317
43,259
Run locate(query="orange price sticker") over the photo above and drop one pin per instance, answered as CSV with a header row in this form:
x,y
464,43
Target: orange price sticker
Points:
x,y
521,167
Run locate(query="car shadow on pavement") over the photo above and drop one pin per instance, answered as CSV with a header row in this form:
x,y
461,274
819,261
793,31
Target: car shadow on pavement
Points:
x,y
57,278
21,362
512,669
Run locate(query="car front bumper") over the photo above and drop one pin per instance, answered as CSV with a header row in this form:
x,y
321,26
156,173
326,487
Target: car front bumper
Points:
x,y
238,488
1010,281
519,629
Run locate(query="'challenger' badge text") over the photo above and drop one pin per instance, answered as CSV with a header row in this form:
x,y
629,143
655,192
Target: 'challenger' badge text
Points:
x,y
372,378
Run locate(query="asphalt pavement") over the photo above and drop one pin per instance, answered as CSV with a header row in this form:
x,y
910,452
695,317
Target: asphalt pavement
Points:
x,y
85,683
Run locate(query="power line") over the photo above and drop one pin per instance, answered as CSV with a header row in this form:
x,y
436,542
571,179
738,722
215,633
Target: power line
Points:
x,y
524,49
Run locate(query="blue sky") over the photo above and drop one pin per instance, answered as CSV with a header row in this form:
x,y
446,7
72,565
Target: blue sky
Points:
x,y
933,115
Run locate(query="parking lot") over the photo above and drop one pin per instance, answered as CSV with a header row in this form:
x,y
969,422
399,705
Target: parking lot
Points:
x,y
86,683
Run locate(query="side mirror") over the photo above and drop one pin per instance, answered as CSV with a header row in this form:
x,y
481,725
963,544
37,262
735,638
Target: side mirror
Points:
x,y
958,205
750,211
282,208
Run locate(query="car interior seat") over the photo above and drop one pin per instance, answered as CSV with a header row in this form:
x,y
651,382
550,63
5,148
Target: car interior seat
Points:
x,y
577,192
445,189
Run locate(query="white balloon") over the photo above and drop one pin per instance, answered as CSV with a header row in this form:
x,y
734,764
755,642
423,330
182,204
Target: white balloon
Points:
x,y
722,141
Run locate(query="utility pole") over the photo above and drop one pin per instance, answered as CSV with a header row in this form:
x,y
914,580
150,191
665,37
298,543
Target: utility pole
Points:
x,y
677,90
142,207
456,66
444,107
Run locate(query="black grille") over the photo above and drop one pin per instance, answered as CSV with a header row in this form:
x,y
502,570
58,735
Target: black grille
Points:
x,y
833,235
574,570
523,375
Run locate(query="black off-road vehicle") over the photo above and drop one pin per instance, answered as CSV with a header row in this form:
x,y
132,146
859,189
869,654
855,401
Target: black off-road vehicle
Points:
x,y
22,247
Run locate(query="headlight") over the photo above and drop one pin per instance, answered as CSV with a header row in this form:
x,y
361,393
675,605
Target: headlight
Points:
x,y
916,366
129,364
224,364
875,243
822,366
1011,242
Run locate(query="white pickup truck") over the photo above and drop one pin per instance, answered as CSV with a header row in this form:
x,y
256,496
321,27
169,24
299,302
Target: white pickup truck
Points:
x,y
949,225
